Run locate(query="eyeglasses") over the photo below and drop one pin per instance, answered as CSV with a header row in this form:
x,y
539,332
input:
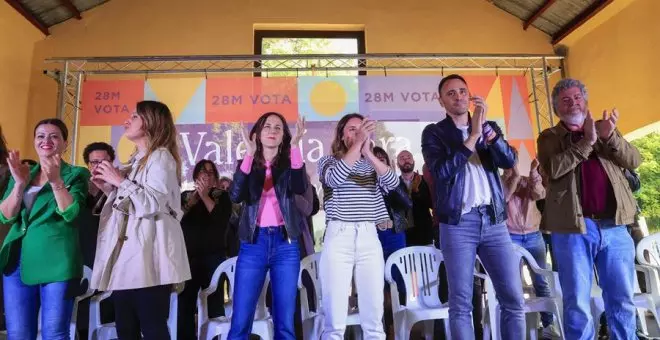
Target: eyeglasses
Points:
x,y
96,162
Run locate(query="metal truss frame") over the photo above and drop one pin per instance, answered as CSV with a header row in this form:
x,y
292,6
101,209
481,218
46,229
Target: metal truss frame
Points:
x,y
71,72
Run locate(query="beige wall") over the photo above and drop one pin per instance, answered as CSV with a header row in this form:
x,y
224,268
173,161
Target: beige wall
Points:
x,y
174,27
17,38
618,61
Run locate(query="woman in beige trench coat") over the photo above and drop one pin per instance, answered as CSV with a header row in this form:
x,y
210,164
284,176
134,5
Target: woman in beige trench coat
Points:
x,y
141,251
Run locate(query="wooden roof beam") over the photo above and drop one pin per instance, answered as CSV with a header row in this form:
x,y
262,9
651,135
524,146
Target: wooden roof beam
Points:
x,y
538,13
72,8
579,20
28,16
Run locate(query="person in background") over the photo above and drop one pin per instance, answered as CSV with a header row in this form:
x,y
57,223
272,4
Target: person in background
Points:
x,y
29,162
141,251
393,236
232,242
520,195
93,155
352,178
40,257
308,206
420,230
464,152
206,211
224,183
587,208
266,182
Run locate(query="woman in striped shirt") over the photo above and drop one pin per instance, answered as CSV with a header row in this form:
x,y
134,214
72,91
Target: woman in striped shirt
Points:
x,y
354,206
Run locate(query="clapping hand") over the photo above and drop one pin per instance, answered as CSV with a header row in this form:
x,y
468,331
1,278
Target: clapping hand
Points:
x,y
249,141
606,126
107,173
19,171
300,131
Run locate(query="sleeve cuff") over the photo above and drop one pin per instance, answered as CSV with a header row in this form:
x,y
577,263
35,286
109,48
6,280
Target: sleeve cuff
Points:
x,y
296,158
70,213
5,220
584,148
246,164
465,151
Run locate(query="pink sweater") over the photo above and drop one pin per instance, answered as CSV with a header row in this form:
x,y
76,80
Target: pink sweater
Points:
x,y
269,214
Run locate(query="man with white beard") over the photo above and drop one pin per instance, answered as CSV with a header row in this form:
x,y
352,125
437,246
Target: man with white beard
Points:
x,y
588,205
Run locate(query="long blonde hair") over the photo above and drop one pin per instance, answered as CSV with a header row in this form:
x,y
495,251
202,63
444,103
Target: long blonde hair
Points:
x,y
158,125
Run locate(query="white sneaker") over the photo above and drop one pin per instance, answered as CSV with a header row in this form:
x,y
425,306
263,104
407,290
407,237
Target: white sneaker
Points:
x,y
550,332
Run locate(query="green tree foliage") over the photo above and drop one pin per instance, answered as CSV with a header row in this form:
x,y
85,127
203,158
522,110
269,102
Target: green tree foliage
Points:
x,y
649,173
301,46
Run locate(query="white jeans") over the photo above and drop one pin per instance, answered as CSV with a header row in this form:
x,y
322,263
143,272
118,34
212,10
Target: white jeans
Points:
x,y
347,246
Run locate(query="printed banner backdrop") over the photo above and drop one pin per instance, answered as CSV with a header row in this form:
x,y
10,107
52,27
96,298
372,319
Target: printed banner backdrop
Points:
x,y
209,112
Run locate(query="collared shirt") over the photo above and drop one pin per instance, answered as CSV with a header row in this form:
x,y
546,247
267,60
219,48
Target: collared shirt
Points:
x,y
597,194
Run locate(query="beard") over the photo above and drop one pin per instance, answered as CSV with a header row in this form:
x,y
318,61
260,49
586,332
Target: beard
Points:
x,y
406,167
575,117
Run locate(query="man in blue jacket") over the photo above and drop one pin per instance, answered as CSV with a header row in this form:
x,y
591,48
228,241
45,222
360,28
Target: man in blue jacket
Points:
x,y
463,153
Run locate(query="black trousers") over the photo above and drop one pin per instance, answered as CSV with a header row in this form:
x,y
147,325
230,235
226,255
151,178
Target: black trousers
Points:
x,y
201,269
143,310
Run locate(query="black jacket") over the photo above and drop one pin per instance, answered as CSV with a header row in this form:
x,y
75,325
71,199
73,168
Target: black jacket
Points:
x,y
398,204
204,231
446,157
247,189
422,232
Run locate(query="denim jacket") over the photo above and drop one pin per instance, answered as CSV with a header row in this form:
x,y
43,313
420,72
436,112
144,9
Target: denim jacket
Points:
x,y
446,157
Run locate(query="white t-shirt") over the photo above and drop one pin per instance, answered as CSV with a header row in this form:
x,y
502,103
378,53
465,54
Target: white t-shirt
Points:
x,y
29,196
476,191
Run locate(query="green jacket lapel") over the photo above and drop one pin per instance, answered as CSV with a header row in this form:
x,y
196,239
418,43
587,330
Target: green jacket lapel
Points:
x,y
45,195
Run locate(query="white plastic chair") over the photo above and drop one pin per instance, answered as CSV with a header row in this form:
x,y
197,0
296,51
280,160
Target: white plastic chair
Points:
x,y
419,266
642,301
312,321
208,328
551,304
87,275
101,331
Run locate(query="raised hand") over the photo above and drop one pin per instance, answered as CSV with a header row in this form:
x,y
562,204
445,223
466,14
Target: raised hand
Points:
x,y
606,126
102,185
249,141
363,135
590,129
19,171
480,106
535,165
203,186
107,173
300,131
51,167
476,122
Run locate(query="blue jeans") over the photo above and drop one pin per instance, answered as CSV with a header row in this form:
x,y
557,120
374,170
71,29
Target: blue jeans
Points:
x,y
391,241
22,308
270,251
475,234
611,250
535,245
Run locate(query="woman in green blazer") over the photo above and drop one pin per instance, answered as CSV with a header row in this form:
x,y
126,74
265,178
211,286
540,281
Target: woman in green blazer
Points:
x,y
41,254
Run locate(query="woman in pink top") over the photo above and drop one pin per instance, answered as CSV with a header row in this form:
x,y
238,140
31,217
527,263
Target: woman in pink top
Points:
x,y
521,194
266,182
